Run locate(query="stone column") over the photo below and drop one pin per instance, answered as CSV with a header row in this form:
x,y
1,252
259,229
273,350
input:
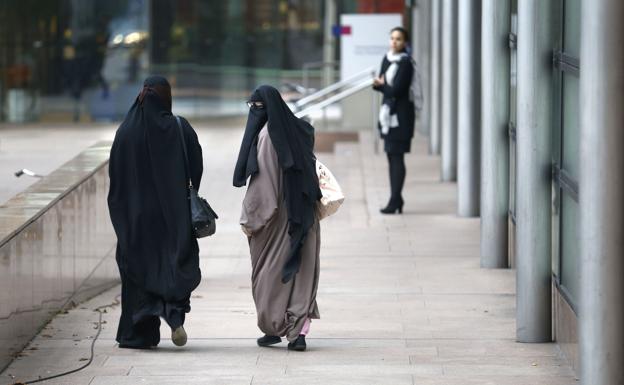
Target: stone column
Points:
x,y
435,83
469,108
601,193
449,90
534,171
495,71
421,39
329,42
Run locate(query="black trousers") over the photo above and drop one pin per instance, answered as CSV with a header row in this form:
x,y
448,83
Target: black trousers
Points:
x,y
397,170
139,324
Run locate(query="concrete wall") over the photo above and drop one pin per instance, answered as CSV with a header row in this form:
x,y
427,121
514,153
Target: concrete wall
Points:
x,y
56,247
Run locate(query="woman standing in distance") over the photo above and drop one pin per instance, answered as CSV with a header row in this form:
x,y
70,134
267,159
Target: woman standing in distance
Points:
x,y
397,115
279,217
157,254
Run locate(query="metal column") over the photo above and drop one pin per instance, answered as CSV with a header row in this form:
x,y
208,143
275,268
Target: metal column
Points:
x,y
495,71
435,83
422,41
601,194
449,90
329,42
468,107
533,189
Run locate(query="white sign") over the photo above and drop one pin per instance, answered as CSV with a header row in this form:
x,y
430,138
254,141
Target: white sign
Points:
x,y
364,40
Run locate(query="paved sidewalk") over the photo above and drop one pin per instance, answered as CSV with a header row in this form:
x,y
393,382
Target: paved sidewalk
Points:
x,y
402,298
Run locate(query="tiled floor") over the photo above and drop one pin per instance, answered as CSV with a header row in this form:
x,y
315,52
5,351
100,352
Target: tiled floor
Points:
x,y
402,298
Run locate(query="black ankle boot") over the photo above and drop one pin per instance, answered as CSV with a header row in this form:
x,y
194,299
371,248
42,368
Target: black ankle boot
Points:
x,y
268,340
393,207
298,345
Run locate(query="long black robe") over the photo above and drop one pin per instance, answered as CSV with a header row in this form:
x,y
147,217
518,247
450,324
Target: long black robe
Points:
x,y
157,255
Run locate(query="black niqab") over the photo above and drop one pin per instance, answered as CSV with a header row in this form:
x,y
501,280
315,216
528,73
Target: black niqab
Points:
x,y
293,140
148,198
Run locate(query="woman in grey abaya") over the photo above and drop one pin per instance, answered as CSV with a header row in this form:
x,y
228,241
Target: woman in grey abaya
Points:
x,y
279,217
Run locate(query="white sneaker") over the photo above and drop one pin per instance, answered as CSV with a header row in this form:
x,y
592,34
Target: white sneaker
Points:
x,y
178,336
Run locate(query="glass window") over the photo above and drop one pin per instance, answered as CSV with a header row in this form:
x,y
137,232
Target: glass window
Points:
x,y
570,130
566,156
569,246
70,60
572,28
86,59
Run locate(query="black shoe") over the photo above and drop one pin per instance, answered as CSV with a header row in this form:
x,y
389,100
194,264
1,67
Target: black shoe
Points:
x,y
268,340
299,344
392,208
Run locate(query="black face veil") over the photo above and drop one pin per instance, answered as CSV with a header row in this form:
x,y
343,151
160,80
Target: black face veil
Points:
x,y
293,140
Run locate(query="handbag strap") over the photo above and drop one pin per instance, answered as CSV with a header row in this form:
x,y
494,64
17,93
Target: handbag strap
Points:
x,y
186,162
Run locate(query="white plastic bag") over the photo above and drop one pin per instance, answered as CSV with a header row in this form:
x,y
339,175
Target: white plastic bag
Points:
x,y
332,193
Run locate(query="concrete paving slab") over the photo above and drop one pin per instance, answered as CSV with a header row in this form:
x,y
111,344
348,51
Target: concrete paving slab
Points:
x,y
402,298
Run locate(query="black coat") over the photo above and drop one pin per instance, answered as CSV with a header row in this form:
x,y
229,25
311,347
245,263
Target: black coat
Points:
x,y
398,97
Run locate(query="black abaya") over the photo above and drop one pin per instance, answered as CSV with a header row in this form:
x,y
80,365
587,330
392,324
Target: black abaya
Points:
x,y
157,255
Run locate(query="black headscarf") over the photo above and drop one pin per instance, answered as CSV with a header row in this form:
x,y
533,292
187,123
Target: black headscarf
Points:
x,y
148,196
293,140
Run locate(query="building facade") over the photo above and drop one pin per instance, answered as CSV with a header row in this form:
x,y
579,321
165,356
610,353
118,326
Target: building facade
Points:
x,y
550,80
83,60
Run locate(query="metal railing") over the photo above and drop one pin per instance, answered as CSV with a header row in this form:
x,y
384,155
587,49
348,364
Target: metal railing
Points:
x,y
348,82
337,92
335,98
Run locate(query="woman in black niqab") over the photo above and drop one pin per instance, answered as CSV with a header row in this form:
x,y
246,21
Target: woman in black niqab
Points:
x,y
293,139
157,255
279,217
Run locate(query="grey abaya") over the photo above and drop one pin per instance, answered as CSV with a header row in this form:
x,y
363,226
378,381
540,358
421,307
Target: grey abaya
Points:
x,y
282,308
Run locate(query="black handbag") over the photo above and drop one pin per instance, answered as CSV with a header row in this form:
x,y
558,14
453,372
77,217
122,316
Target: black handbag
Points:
x,y
203,217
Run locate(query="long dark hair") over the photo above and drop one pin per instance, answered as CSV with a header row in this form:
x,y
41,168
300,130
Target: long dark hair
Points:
x,y
403,32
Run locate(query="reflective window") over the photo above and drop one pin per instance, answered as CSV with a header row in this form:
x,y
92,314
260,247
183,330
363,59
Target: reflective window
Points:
x,y
513,92
84,60
566,153
70,59
569,247
570,128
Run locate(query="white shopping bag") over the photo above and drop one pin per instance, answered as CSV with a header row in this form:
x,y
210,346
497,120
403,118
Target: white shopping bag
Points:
x,y
332,193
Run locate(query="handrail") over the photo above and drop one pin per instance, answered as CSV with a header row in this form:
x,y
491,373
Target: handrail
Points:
x,y
335,98
333,87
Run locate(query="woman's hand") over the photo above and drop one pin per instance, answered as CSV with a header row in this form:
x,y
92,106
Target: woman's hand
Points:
x,y
379,81
246,231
